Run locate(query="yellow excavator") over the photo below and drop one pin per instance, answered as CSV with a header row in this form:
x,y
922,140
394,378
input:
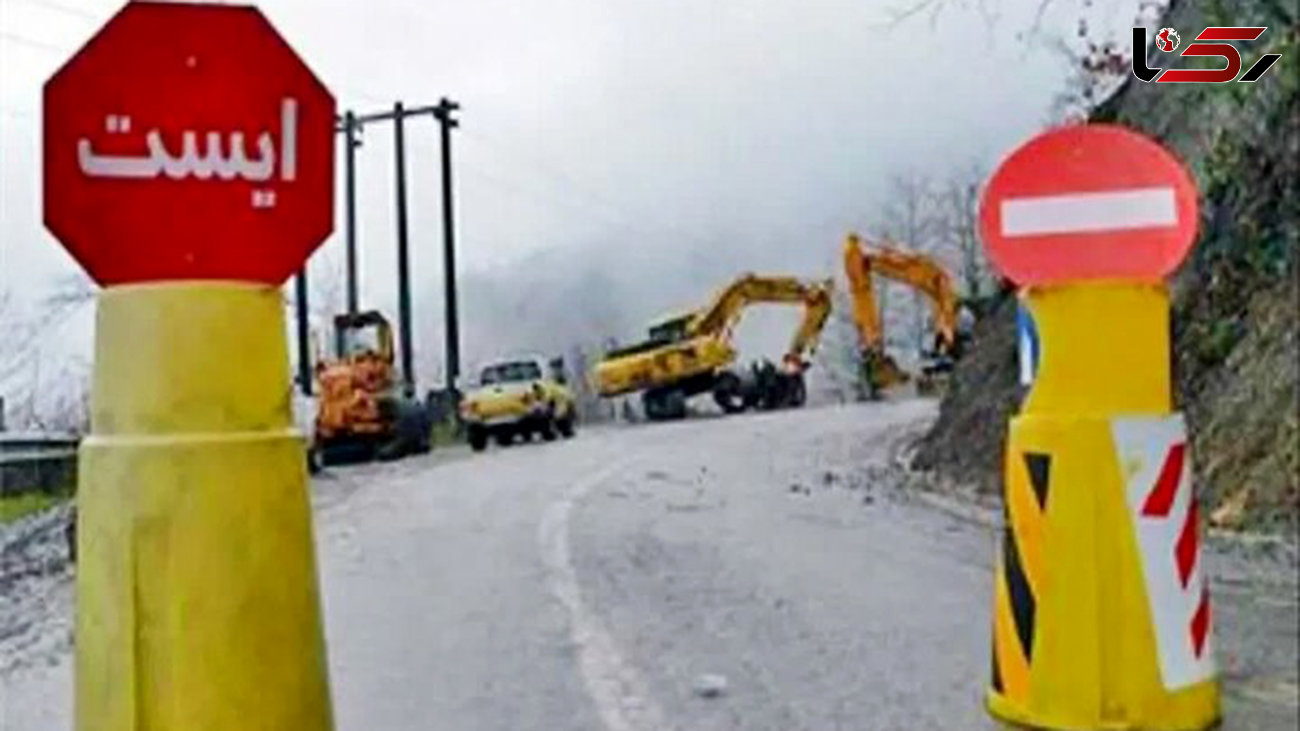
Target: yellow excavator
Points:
x,y
861,264
691,353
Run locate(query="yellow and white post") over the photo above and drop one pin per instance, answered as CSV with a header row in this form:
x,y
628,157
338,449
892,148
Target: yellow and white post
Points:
x,y
1101,605
197,603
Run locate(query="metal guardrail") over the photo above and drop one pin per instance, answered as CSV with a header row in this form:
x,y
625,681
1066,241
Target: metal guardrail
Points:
x,y
37,462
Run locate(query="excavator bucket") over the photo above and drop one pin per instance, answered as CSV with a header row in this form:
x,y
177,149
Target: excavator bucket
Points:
x,y
881,373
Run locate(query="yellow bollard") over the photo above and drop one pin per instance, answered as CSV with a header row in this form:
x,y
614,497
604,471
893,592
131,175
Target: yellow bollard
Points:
x,y
1101,608
197,604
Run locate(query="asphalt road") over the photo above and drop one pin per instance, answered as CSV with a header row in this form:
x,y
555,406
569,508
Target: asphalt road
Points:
x,y
756,572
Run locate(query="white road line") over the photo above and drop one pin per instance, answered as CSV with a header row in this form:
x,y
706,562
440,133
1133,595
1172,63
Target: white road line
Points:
x,y
614,687
1110,210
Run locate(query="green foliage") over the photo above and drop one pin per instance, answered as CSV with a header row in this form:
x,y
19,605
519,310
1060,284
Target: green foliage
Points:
x,y
445,433
15,507
1213,343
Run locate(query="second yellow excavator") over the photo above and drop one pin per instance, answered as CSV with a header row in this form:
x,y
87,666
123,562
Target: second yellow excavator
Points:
x,y
919,271
691,354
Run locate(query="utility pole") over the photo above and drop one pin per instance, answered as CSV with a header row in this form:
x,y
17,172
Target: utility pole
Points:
x,y
355,123
403,254
443,113
304,350
351,128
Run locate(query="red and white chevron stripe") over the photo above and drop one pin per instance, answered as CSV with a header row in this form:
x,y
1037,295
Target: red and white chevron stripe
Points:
x,y
1166,519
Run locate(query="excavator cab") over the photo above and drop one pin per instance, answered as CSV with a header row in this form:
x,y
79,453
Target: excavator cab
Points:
x,y
363,335
671,330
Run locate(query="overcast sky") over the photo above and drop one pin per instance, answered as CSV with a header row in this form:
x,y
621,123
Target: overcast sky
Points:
x,y
651,140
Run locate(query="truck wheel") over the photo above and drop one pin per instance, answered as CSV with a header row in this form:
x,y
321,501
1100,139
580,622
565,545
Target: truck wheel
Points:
x,y
728,393
315,460
505,438
547,429
652,404
566,427
663,404
478,438
391,450
416,428
424,438
798,394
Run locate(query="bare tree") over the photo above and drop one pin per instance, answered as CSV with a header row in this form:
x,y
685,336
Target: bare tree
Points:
x,y
11,335
957,220
909,223
327,285
59,398
1099,65
47,388
591,407
1097,71
326,297
839,354
41,398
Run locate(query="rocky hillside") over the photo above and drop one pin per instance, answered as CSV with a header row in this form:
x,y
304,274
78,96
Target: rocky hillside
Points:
x,y
1236,300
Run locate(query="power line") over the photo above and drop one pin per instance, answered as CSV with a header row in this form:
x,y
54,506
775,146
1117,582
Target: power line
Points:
x,y
583,199
17,112
363,96
32,42
567,181
67,9
548,198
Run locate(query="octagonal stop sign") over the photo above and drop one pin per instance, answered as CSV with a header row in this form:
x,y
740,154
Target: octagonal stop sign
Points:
x,y
188,141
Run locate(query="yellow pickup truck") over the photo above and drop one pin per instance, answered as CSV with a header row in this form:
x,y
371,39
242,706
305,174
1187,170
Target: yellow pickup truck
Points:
x,y
520,397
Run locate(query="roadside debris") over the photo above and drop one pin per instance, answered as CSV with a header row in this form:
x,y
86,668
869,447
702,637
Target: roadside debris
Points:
x,y
710,685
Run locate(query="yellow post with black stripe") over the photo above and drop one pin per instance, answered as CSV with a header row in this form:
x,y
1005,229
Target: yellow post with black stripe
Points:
x,y
197,603
1100,623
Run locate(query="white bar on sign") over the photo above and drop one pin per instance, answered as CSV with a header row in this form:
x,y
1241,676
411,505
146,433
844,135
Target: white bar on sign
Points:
x,y
1111,210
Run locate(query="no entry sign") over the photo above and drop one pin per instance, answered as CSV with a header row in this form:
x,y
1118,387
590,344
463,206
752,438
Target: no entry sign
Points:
x,y
188,141
1089,202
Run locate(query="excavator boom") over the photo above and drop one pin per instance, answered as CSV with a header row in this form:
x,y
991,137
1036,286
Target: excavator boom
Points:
x,y
918,271
691,355
727,307
915,270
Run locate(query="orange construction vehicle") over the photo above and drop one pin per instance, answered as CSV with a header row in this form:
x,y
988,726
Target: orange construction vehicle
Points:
x,y
362,412
861,264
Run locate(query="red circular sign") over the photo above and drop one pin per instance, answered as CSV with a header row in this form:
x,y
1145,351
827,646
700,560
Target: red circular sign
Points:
x,y
1089,202
188,141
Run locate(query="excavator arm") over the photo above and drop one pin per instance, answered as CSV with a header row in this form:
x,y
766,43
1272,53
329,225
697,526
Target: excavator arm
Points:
x,y
915,270
692,353
863,293
727,307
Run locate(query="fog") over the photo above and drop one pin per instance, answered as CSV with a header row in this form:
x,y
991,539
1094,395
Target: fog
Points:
x,y
616,159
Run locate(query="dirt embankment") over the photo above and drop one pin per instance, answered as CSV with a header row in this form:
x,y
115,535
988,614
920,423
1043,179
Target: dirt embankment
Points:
x,y
965,444
1235,302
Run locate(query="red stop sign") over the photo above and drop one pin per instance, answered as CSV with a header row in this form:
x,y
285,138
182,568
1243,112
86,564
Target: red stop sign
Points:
x,y
1089,202
188,142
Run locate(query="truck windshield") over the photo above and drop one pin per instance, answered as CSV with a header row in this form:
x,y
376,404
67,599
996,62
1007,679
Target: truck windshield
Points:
x,y
508,372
